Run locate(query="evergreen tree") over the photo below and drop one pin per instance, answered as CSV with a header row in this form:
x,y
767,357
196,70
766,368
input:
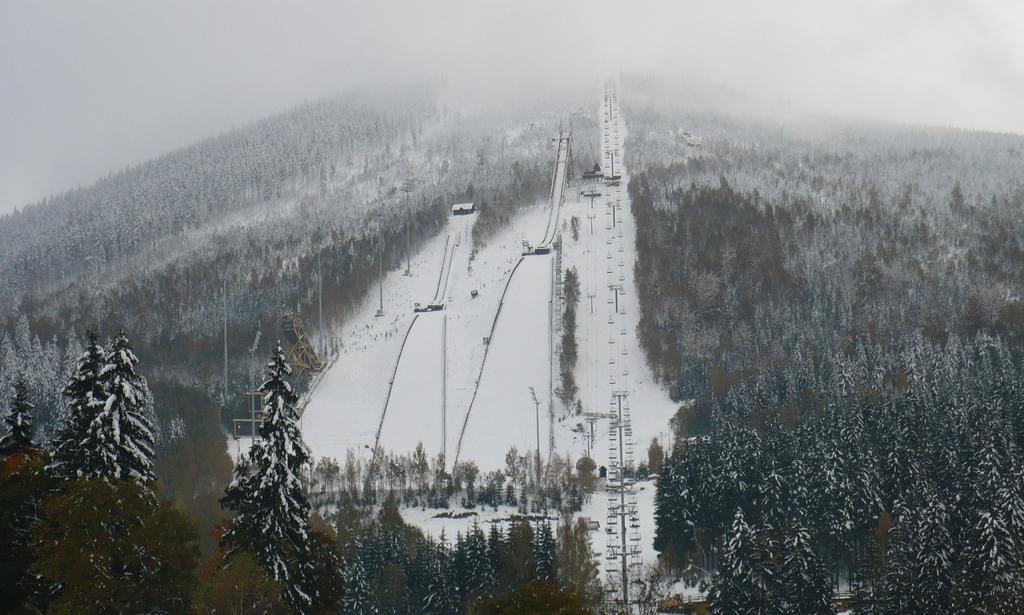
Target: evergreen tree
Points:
x,y
441,598
991,555
479,570
544,552
739,584
119,439
934,557
18,420
804,585
899,579
494,541
85,396
358,596
272,513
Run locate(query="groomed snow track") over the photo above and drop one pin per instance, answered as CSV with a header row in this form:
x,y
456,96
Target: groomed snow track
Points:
x,y
441,273
557,195
558,182
483,362
439,292
391,382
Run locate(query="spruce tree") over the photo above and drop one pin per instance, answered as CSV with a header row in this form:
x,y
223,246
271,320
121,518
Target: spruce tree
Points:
x,y
899,579
18,421
804,584
934,557
358,596
272,513
85,396
739,584
441,596
991,555
544,552
461,574
119,439
479,570
494,540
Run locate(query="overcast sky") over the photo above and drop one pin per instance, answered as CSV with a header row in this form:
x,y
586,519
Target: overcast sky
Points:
x,y
89,86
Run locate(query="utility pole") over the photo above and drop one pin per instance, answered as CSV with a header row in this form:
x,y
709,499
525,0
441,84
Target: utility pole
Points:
x,y
380,261
407,186
224,398
616,288
444,386
536,410
320,302
252,381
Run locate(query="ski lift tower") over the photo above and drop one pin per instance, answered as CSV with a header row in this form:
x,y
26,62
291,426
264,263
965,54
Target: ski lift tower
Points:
x,y
623,560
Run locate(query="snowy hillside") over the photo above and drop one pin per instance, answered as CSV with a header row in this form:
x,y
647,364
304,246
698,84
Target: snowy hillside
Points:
x,y
426,384
423,377
459,378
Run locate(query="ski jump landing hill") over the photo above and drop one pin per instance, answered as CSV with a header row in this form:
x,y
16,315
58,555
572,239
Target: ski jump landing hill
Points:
x,y
457,378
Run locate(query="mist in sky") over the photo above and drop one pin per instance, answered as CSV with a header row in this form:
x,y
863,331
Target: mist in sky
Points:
x,y
87,88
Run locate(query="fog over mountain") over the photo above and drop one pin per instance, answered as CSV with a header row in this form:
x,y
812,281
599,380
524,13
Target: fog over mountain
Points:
x,y
93,87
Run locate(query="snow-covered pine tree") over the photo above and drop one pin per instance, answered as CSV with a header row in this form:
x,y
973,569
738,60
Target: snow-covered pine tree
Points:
x,y
84,395
479,570
460,568
272,513
18,421
119,439
739,584
804,585
934,557
441,598
545,552
358,596
666,496
991,555
420,572
494,540
899,578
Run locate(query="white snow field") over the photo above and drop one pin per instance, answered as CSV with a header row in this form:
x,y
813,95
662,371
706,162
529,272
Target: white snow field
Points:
x,y
432,380
438,368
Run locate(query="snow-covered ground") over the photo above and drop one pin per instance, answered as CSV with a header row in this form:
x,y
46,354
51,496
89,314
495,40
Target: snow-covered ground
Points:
x,y
439,366
610,357
442,366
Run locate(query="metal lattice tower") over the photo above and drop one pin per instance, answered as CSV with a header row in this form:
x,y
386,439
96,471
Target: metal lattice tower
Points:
x,y
624,562
301,353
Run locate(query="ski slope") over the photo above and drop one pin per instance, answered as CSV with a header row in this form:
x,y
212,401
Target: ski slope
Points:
x,y
436,370
431,377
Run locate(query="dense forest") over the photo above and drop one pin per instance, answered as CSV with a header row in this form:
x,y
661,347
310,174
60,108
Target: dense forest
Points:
x,y
839,306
